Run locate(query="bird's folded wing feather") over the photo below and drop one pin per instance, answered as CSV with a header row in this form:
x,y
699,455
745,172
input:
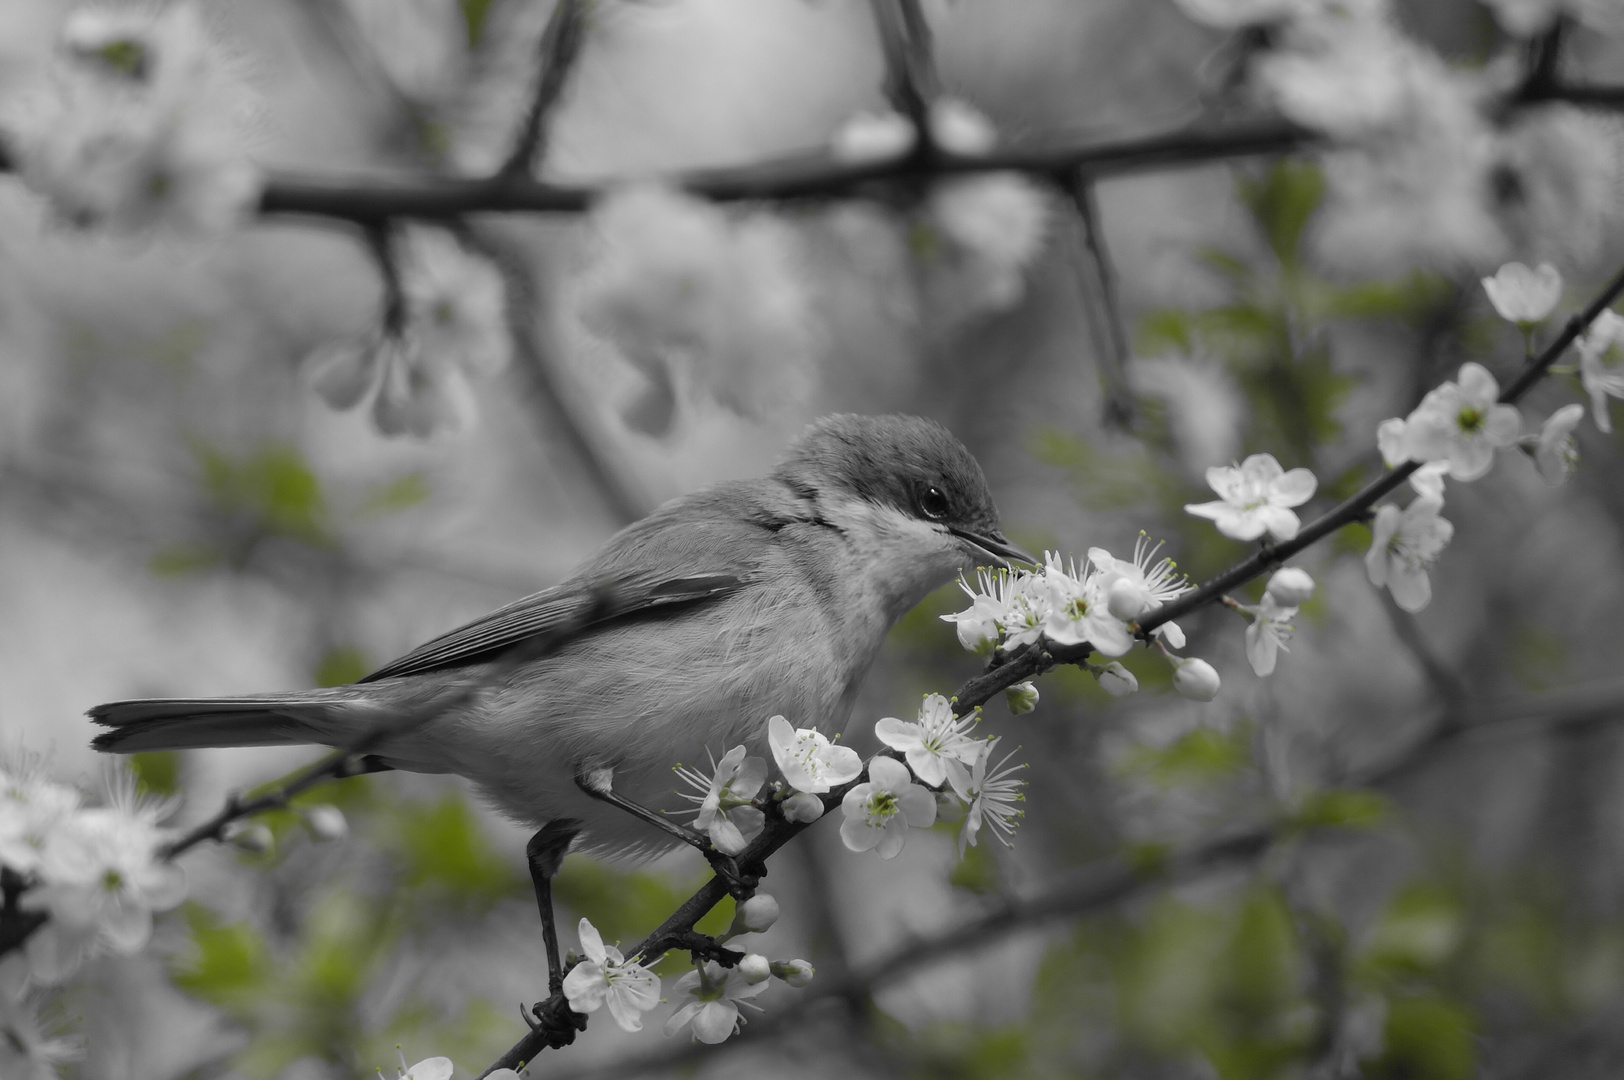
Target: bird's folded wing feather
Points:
x,y
565,611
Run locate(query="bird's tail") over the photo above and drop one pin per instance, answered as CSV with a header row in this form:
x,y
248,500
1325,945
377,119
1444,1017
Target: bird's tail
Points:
x,y
328,717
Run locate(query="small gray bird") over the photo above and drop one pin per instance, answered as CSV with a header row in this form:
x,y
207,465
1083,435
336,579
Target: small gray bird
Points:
x,y
685,633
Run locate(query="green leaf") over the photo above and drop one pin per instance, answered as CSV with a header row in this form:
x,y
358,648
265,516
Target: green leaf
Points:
x,y
227,965
1282,202
342,665
1203,756
443,848
157,772
1342,809
1164,330
273,487
977,872
1421,929
1428,1036
474,14
399,494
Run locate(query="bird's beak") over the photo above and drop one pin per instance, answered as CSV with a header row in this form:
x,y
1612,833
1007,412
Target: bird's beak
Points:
x,y
995,544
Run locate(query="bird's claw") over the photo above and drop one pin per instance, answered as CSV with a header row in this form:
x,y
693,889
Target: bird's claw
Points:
x,y
740,884
554,1020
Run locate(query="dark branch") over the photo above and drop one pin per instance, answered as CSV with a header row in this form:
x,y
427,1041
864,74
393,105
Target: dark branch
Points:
x,y
560,45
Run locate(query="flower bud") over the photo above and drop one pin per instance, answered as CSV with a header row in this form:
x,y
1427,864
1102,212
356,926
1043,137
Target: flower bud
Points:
x,y
1126,600
326,823
1195,679
803,807
251,837
755,968
1022,698
949,808
1116,680
1290,587
757,914
795,972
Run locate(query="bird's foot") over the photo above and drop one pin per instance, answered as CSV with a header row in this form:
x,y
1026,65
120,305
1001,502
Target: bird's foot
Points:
x,y
554,1020
741,883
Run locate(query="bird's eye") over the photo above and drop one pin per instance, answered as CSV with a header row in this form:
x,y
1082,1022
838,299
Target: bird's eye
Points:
x,y
933,504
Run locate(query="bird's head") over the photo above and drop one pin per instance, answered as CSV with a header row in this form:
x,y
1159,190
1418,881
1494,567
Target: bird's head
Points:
x,y
910,498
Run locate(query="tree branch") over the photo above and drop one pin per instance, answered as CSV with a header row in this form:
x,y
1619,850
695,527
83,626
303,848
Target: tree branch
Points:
x,y
560,46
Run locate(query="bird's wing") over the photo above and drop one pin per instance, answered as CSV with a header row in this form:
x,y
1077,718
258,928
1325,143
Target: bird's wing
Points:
x,y
565,611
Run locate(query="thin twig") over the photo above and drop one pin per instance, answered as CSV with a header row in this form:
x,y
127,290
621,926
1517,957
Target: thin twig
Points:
x,y
911,82
1097,277
560,46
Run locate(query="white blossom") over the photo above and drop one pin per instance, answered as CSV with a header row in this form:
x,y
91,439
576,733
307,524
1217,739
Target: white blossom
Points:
x,y
938,737
1075,608
803,807
1428,480
755,968
1139,583
1555,451
1267,635
434,1068
725,810
607,978
1195,679
1116,680
808,760
1462,423
1601,364
1523,296
715,994
1404,546
979,625
1022,698
796,973
26,1052
880,812
990,793
326,823
1290,586
757,915
1255,497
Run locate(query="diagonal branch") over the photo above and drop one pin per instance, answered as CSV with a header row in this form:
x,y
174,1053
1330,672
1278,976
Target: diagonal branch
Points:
x,y
1098,279
559,48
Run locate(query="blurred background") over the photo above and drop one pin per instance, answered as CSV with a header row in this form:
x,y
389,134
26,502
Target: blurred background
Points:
x,y
181,514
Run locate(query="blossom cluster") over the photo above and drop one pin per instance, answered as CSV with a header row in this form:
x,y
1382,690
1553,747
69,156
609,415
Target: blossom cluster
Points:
x,y
97,872
1424,154
1097,603
140,126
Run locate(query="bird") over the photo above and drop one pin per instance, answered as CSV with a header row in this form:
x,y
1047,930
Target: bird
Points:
x,y
682,636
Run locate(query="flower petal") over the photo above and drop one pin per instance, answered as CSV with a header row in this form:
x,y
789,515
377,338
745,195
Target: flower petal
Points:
x,y
1294,488
899,734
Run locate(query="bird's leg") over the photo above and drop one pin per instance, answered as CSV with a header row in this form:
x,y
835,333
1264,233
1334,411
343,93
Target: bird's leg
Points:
x,y
545,853
598,783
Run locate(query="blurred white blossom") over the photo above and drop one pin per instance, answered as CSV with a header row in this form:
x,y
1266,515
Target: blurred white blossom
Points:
x,y
142,125
714,996
605,977
1555,451
1230,14
724,808
959,127
870,137
1205,409
1462,423
1601,364
1268,632
31,806
1522,295
976,239
991,793
1404,547
101,876
938,738
26,1052
1555,176
450,326
879,813
1255,497
677,284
